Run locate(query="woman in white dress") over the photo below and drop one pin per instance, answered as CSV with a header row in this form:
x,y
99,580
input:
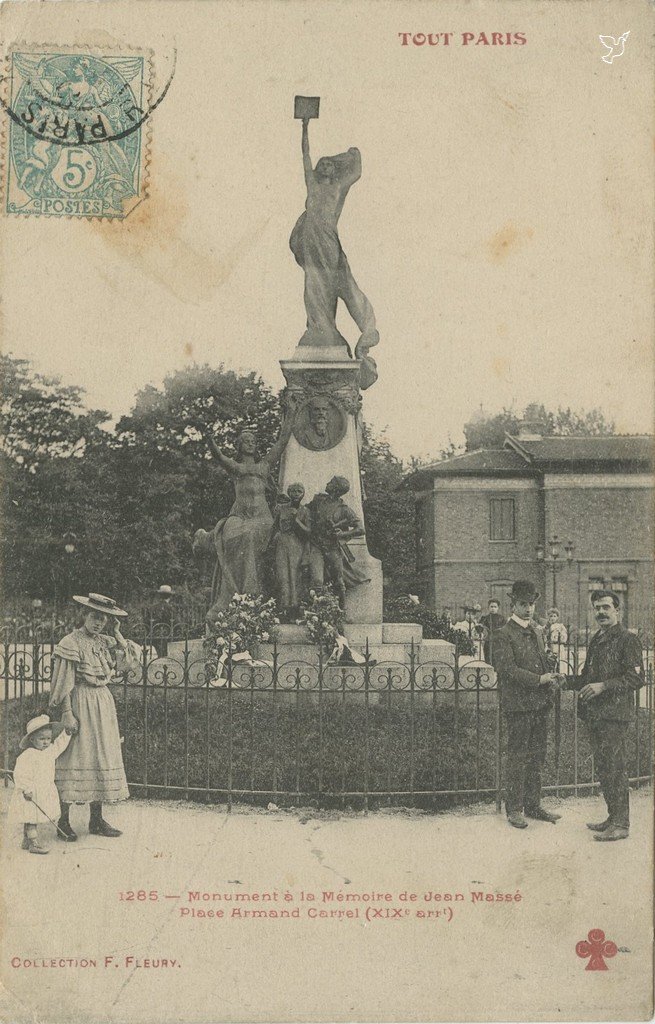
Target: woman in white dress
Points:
x,y
91,769
556,638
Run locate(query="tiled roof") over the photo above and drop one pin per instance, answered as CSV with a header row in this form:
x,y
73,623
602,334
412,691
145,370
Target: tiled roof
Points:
x,y
521,457
485,462
591,451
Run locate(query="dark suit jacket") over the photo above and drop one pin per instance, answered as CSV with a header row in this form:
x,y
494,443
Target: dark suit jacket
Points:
x,y
493,621
614,657
519,658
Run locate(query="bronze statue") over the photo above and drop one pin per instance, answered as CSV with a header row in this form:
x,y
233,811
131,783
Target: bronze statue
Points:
x,y
240,540
315,244
291,525
333,523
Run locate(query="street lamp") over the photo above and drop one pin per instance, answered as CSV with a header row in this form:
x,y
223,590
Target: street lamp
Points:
x,y
70,542
37,605
70,547
553,562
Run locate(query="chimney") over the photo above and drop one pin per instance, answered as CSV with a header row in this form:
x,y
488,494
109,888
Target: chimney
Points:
x,y
531,427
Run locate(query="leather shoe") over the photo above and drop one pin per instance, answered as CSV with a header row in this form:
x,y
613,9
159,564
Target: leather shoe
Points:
x,y
65,832
103,828
516,819
541,814
612,833
599,826
34,846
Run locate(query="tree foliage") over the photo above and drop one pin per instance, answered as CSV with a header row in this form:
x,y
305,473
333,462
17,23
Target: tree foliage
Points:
x,y
135,495
220,398
488,430
48,439
389,513
168,483
41,418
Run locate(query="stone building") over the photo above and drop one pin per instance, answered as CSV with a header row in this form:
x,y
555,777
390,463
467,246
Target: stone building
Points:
x,y
487,518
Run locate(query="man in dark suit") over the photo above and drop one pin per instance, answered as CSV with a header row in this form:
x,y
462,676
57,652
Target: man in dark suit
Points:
x,y
613,671
526,687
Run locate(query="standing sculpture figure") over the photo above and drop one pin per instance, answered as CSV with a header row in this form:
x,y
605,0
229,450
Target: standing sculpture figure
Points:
x,y
290,542
333,523
315,244
241,539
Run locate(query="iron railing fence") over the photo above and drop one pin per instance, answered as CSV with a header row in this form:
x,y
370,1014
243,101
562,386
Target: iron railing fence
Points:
x,y
423,731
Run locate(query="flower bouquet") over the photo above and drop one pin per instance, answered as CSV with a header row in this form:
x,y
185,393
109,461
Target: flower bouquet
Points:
x,y
234,631
324,619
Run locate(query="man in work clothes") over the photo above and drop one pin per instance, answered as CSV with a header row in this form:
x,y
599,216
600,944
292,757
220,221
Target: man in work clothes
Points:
x,y
526,688
612,672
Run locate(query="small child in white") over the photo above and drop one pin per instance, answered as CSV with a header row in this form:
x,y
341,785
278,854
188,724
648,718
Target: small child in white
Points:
x,y
34,778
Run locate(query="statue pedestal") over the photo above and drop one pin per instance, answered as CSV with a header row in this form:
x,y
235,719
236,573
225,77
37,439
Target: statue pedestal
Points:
x,y
325,443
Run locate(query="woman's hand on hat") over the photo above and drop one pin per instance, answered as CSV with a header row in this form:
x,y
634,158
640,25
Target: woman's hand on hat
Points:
x,y
118,636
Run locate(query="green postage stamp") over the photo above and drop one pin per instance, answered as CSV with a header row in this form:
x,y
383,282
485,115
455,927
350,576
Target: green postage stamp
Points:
x,y
76,144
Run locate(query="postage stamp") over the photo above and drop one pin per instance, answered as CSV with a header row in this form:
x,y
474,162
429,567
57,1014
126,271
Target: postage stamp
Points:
x,y
76,144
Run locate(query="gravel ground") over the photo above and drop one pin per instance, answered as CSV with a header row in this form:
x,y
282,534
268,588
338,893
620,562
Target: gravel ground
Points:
x,y
366,957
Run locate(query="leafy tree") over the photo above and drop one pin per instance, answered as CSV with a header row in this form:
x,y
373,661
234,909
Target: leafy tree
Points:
x,y
47,437
224,400
167,483
487,430
389,513
42,418
135,497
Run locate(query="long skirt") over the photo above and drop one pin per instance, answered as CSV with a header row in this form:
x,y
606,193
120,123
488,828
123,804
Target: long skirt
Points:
x,y
241,546
91,768
289,551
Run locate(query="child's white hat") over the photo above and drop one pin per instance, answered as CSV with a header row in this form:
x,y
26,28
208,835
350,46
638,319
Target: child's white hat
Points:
x,y
35,724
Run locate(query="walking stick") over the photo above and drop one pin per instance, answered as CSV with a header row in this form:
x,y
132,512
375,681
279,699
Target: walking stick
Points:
x,y
61,833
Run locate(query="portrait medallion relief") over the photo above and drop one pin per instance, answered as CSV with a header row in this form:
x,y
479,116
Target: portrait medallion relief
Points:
x,y
320,423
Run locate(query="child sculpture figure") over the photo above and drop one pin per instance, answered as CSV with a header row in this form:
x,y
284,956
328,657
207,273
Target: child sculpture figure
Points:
x,y
290,542
333,522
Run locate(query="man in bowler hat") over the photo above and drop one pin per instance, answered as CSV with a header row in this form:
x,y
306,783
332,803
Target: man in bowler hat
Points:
x,y
526,687
613,671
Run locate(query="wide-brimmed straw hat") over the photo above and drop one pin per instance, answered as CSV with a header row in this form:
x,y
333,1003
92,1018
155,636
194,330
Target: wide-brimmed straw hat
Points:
x,y
35,725
100,603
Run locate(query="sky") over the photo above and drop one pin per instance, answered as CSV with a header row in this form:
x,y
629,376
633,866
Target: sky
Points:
x,y
502,227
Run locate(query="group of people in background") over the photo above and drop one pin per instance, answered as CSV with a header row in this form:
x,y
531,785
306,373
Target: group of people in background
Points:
x,y
480,629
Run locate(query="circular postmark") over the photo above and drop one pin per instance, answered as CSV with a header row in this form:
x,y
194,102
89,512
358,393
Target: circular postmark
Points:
x,y
75,144
73,98
320,423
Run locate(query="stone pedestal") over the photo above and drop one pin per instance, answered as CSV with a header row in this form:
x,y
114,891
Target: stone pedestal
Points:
x,y
325,443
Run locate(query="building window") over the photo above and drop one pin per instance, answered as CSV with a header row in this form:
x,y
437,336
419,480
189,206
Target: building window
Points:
x,y
501,519
499,591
